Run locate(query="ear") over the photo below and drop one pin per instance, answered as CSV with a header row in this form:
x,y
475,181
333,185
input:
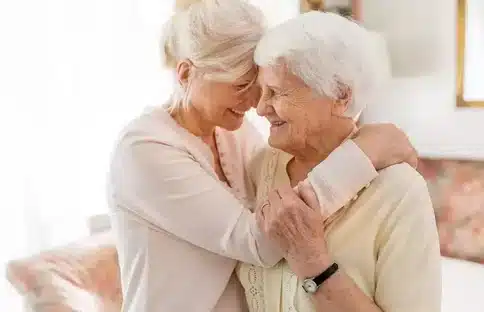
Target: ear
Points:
x,y
183,70
341,104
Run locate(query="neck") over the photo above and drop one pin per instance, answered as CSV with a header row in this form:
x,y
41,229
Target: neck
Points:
x,y
191,120
318,150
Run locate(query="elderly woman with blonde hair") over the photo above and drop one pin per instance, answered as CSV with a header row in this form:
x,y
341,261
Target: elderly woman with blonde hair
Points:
x,y
180,189
380,252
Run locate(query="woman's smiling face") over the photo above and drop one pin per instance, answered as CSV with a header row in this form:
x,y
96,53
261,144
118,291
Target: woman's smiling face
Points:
x,y
224,104
297,114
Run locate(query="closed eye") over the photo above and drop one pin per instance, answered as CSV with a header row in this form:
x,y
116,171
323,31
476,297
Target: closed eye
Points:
x,y
241,87
268,93
275,93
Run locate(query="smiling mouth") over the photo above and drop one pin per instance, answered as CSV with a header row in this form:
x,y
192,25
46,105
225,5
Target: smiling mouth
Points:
x,y
277,123
236,112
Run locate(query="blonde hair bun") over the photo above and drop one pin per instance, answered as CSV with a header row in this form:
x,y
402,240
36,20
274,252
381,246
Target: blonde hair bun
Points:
x,y
183,5
218,36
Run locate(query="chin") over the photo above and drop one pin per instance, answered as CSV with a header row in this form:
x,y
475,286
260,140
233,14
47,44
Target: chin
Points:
x,y
232,126
276,142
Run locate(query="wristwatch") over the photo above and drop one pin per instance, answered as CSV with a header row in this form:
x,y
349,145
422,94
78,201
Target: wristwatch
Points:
x,y
311,285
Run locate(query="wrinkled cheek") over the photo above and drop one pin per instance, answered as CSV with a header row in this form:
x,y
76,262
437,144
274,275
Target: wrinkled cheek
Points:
x,y
297,136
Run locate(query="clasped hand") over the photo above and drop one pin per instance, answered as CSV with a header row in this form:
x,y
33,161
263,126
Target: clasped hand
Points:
x,y
293,220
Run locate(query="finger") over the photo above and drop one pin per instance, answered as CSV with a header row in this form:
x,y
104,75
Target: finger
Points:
x,y
414,161
275,200
307,194
277,221
287,215
263,208
289,196
272,210
296,212
297,200
355,133
281,242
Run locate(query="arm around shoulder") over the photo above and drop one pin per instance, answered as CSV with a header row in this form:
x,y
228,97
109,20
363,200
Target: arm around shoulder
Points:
x,y
338,178
167,187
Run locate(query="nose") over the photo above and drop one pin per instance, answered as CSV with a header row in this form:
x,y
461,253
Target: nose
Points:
x,y
263,107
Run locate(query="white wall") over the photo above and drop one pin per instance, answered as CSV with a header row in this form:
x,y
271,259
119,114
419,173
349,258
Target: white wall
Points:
x,y
421,97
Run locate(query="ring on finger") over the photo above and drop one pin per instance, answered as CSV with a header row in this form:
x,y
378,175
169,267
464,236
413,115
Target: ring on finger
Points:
x,y
264,205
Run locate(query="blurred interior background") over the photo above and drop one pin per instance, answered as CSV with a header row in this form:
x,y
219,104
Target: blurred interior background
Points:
x,y
72,73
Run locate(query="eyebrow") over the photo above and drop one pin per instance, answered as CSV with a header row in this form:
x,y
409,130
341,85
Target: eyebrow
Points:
x,y
274,87
243,82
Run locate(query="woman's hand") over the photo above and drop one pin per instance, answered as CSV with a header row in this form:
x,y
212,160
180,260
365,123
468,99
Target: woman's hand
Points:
x,y
385,145
297,228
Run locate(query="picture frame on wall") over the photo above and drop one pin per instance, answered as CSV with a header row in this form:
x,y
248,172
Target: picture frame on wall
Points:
x,y
347,8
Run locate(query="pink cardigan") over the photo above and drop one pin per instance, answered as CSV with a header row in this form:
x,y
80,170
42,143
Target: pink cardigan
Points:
x,y
180,231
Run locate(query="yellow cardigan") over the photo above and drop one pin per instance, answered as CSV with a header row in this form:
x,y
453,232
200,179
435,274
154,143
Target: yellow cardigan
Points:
x,y
385,239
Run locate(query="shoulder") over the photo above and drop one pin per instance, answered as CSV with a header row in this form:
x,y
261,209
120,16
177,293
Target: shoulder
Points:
x,y
402,201
399,196
148,139
153,125
399,181
153,134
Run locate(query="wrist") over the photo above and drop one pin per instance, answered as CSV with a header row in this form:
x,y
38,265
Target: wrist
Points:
x,y
368,151
314,267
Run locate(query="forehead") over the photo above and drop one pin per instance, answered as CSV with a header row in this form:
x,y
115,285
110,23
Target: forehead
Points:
x,y
270,75
277,76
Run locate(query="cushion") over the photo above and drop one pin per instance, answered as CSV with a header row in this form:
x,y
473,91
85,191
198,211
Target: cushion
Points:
x,y
83,276
457,191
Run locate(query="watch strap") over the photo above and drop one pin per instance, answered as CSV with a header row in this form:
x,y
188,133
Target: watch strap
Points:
x,y
321,278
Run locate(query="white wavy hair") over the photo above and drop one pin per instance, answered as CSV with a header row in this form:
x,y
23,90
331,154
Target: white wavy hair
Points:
x,y
328,52
218,36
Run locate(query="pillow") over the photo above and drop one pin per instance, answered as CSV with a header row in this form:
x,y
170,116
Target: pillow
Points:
x,y
457,191
83,276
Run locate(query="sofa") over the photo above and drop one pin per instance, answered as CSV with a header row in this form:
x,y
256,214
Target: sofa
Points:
x,y
84,276
79,277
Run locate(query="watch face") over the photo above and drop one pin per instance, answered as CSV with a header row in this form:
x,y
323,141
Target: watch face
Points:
x,y
310,286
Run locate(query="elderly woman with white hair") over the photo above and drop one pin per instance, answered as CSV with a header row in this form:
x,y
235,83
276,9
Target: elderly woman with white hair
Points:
x,y
180,190
380,252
